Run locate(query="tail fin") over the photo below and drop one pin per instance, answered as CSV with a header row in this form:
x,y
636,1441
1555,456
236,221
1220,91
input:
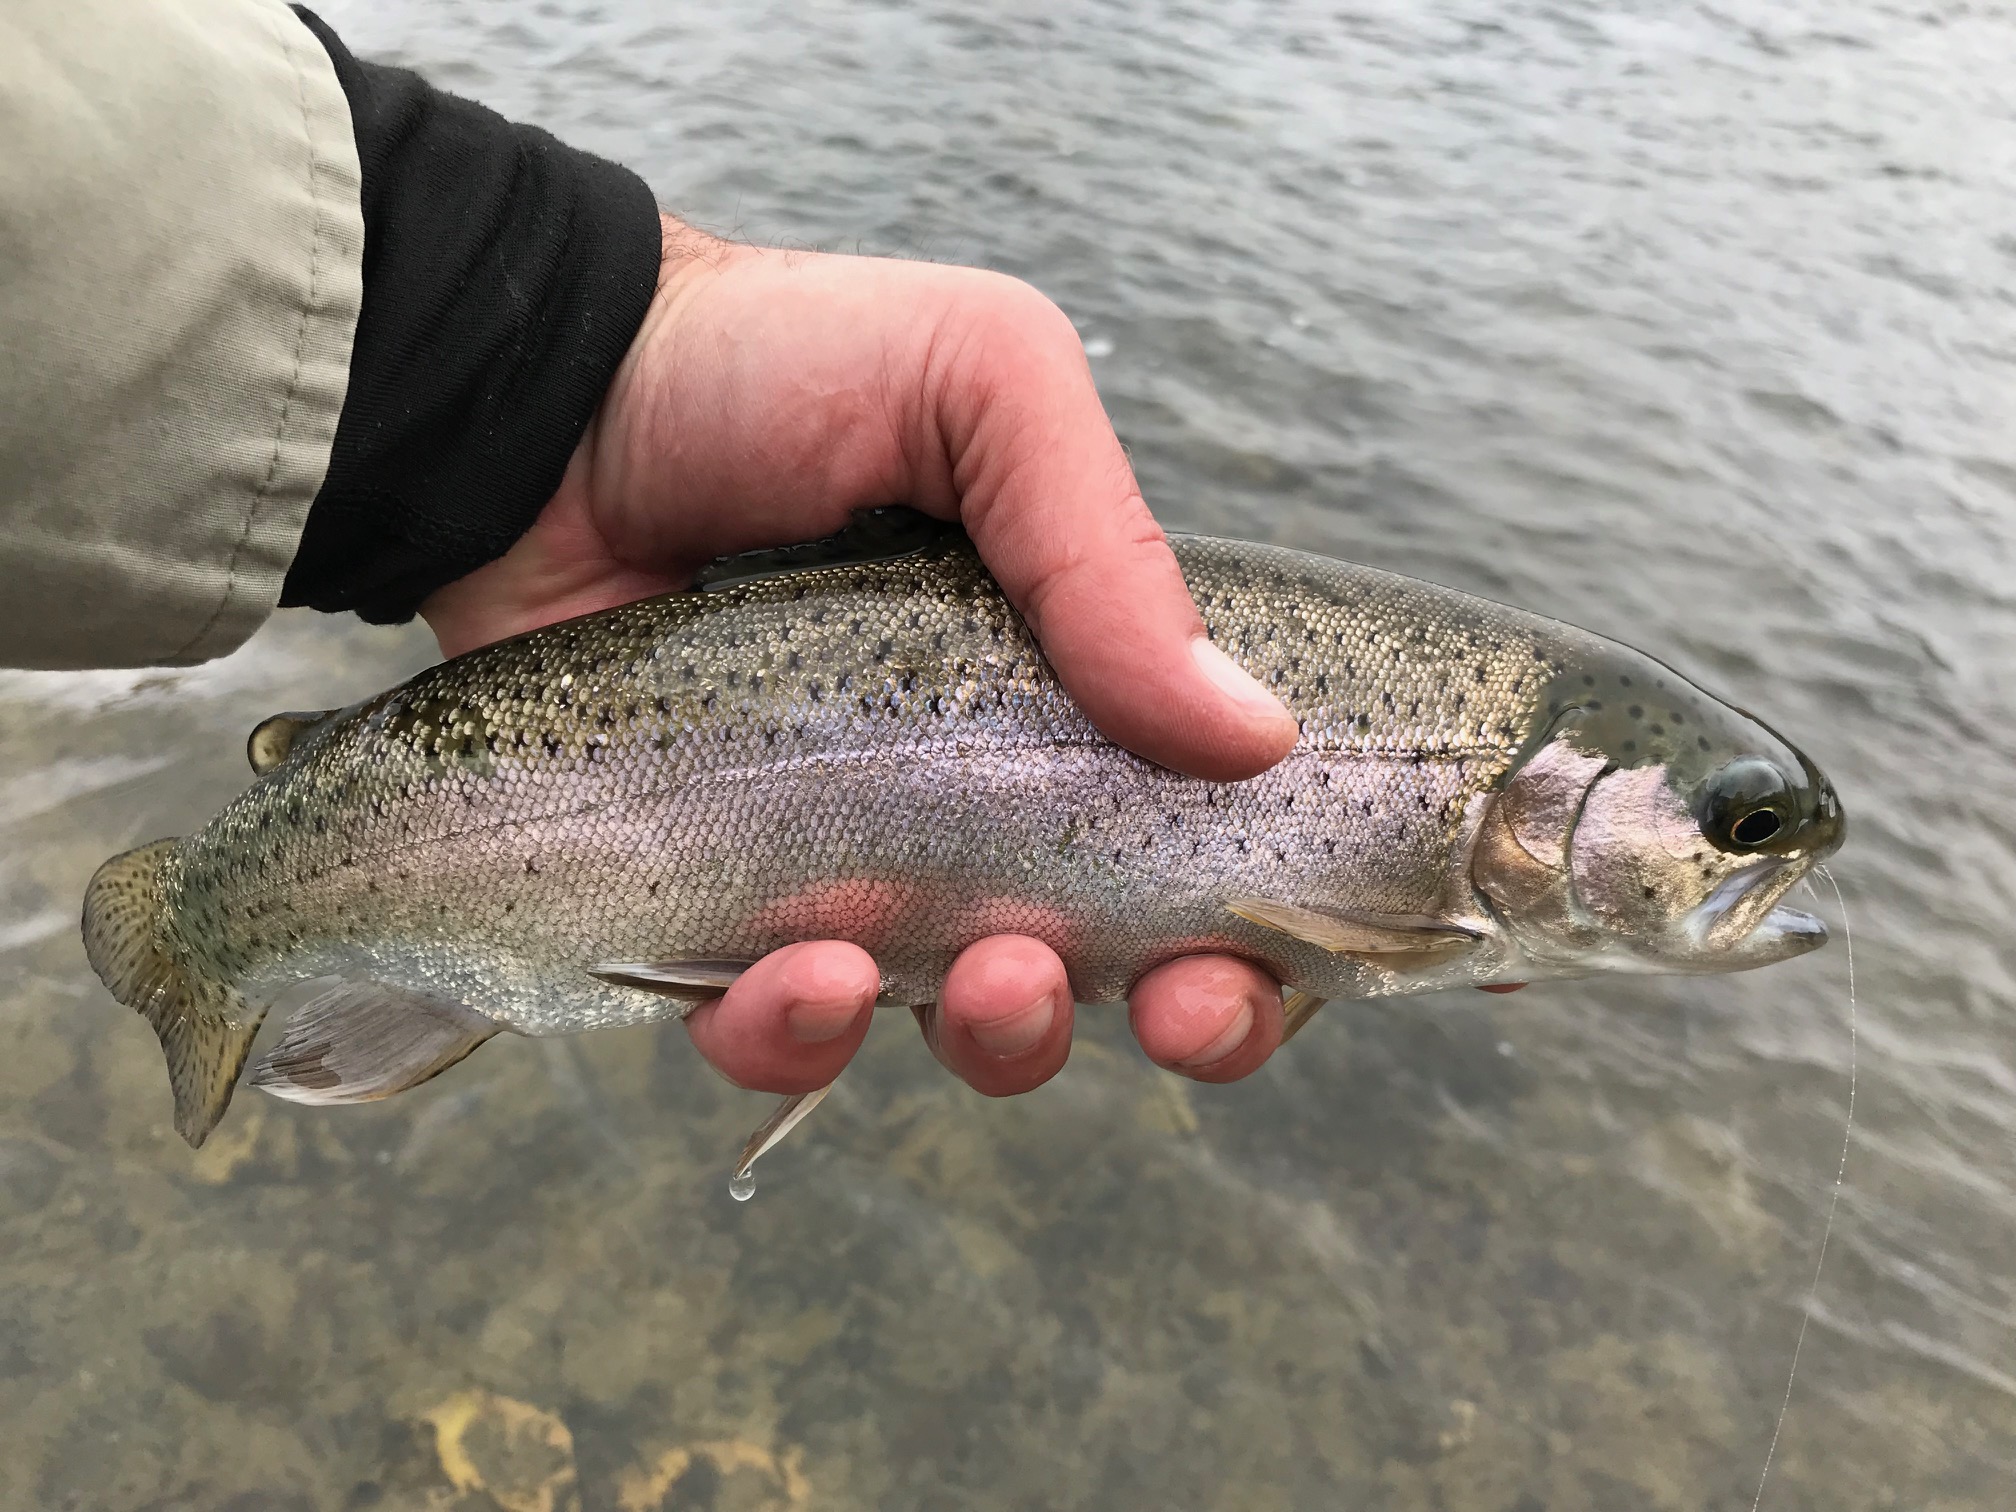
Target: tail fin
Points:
x,y
205,1027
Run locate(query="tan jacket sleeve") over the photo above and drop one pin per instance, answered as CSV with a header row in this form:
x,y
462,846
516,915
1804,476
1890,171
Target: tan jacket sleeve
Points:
x,y
181,248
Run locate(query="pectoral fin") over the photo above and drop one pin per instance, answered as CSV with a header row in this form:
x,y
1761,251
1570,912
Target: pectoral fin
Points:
x,y
1353,933
362,1041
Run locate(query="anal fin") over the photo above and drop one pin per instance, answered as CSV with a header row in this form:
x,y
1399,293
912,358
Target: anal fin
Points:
x,y
361,1041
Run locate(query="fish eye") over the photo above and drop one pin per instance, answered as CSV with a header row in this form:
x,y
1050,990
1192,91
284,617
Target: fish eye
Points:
x,y
1745,805
1755,827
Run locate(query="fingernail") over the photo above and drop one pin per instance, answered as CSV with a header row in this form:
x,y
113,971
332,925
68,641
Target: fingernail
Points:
x,y
1233,1037
814,1023
1018,1031
1234,681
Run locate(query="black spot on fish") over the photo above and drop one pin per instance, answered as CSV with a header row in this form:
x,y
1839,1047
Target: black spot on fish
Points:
x,y
1637,711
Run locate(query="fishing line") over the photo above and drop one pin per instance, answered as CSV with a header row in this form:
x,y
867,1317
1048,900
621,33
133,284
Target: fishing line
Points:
x,y
1833,1203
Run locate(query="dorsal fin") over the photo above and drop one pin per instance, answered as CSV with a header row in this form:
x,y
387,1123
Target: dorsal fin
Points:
x,y
873,535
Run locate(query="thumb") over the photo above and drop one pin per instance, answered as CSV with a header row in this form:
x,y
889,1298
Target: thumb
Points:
x,y
1050,501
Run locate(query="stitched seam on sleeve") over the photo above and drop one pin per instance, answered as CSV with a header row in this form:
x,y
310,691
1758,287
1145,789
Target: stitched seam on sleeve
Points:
x,y
308,311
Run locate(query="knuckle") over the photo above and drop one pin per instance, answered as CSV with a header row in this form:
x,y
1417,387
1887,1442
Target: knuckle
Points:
x,y
1012,318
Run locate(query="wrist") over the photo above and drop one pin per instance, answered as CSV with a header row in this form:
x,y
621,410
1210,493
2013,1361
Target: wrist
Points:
x,y
508,275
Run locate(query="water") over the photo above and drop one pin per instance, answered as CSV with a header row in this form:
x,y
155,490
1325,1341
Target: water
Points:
x,y
1695,323
1833,1199
742,1186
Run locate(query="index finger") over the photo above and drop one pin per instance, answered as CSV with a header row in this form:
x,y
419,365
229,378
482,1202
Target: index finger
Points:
x,y
1048,496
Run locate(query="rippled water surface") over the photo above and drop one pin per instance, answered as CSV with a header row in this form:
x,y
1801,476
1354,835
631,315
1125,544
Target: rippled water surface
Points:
x,y
1690,322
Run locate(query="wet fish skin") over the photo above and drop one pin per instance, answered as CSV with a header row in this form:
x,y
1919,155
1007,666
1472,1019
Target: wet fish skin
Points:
x,y
878,752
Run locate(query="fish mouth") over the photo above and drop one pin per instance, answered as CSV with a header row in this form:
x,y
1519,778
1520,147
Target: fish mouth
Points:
x,y
1788,932
1743,916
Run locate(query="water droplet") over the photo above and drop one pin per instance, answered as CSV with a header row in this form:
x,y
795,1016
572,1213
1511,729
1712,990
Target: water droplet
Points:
x,y
742,1185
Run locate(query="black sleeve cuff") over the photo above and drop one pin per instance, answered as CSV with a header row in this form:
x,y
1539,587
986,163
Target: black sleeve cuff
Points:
x,y
504,277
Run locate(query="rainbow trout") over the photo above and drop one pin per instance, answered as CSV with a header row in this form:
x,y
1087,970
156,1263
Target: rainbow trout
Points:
x,y
602,822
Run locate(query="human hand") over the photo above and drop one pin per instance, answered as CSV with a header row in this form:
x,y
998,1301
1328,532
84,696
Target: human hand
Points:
x,y
767,397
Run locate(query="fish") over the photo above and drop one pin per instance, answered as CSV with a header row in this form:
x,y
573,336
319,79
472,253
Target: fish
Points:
x,y
605,821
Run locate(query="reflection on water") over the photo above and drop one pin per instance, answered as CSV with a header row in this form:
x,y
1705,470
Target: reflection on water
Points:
x,y
1694,325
